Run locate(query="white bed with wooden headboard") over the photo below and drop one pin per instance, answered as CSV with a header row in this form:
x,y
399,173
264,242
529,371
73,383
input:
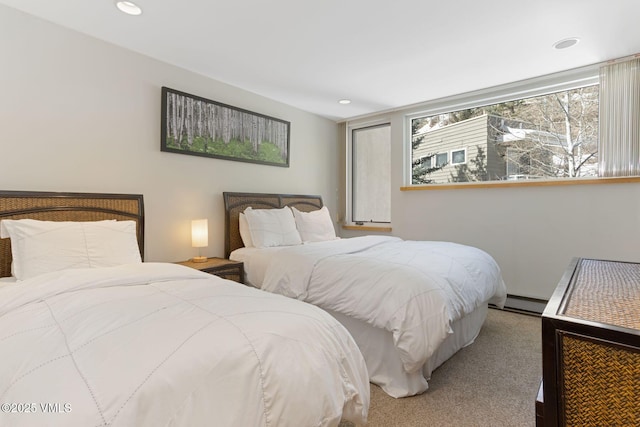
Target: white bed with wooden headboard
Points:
x,y
92,336
409,305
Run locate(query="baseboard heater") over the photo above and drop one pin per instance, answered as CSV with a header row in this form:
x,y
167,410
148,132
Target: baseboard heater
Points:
x,y
525,304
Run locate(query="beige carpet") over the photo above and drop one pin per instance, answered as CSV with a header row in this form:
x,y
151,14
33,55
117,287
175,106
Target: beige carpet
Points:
x,y
492,382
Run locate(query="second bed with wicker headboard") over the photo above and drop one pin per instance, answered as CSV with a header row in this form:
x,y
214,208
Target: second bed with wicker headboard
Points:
x,y
371,280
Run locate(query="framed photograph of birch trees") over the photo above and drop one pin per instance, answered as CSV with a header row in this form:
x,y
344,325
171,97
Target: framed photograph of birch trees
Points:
x,y
202,127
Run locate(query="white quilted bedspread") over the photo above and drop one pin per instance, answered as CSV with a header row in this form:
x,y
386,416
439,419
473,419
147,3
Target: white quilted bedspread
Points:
x,y
414,289
165,345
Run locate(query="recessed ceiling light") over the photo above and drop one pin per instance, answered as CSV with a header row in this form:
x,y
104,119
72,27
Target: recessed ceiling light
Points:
x,y
344,101
128,7
565,43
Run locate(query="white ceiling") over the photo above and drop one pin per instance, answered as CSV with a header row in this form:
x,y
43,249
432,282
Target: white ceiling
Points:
x,y
380,54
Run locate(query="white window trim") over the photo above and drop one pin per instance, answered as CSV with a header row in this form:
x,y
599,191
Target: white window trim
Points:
x,y
566,80
455,151
349,128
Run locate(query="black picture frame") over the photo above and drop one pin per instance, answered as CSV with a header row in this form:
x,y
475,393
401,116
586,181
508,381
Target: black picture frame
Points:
x,y
198,126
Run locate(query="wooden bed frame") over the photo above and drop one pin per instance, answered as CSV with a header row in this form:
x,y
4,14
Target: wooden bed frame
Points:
x,y
53,206
235,203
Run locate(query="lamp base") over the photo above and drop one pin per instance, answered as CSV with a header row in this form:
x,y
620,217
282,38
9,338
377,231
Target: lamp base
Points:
x,y
199,259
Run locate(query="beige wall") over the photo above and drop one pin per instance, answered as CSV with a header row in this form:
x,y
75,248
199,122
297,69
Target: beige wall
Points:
x,y
78,114
532,232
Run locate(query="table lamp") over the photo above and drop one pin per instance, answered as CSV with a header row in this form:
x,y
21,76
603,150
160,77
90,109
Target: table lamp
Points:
x,y
199,237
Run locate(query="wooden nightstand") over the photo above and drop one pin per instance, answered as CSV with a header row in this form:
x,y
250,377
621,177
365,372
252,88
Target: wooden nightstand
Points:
x,y
221,267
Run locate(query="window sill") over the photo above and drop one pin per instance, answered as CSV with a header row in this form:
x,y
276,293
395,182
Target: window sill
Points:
x,y
528,183
367,228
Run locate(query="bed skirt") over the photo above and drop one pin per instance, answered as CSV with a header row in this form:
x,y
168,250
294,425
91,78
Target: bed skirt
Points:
x,y
384,363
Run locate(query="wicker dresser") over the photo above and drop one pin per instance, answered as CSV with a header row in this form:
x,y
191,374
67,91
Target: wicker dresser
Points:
x,y
591,346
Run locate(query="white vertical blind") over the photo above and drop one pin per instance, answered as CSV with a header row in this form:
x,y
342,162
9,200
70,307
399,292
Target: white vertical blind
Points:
x,y
371,174
619,141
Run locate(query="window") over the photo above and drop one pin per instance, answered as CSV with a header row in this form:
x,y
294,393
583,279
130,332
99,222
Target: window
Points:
x,y
370,151
441,159
459,157
553,135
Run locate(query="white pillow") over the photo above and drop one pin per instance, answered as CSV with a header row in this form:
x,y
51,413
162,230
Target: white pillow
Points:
x,y
272,227
245,233
315,226
42,246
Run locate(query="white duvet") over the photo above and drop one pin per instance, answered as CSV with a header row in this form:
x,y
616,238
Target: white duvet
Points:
x,y
414,289
165,345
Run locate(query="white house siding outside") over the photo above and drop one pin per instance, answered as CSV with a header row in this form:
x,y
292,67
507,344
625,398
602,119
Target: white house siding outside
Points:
x,y
470,135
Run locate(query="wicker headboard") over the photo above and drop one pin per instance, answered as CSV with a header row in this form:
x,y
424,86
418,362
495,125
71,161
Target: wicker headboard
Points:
x,y
51,206
234,203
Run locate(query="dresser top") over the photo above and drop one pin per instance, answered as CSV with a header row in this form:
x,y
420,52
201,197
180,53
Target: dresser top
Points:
x,y
606,292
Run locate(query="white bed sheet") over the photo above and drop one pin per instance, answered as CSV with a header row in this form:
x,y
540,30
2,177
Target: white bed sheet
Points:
x,y
442,282
161,344
255,262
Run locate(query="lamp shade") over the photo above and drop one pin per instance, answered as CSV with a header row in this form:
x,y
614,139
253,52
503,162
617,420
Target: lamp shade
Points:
x,y
199,233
